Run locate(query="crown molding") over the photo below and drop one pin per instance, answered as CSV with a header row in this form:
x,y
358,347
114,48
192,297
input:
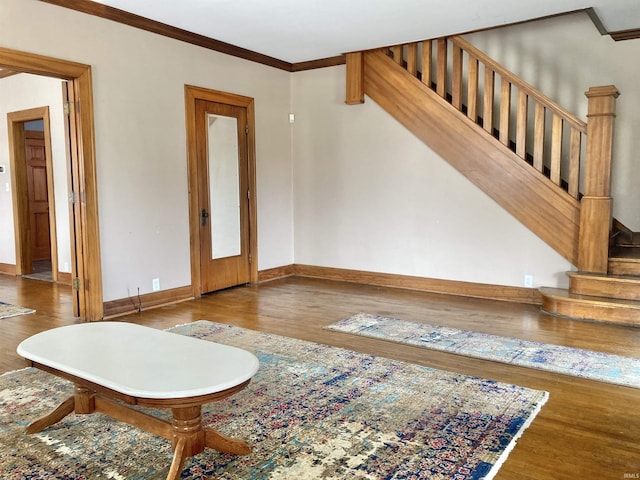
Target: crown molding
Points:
x,y
619,35
114,14
133,20
321,63
631,34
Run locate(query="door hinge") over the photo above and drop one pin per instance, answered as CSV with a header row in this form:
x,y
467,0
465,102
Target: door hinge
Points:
x,y
75,283
250,259
67,108
72,198
246,129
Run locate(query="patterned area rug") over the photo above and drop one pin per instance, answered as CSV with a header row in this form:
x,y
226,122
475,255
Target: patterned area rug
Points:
x,y
311,412
7,310
588,364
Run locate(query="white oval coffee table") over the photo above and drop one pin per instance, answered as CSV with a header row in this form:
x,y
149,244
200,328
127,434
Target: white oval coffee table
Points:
x,y
139,365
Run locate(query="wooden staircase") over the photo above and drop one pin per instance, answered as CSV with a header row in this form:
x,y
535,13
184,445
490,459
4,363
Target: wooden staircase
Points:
x,y
610,297
546,167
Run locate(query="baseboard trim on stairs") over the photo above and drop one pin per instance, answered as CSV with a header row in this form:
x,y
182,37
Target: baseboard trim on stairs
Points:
x,y
431,285
125,306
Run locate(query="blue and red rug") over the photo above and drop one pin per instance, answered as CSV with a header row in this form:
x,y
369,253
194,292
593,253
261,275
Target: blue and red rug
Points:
x,y
311,412
588,364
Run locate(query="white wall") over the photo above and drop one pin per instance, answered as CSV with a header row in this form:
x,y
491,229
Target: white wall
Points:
x,y
138,81
368,195
565,56
22,92
371,196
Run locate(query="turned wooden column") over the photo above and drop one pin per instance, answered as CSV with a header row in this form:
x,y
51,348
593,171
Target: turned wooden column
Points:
x,y
595,208
187,425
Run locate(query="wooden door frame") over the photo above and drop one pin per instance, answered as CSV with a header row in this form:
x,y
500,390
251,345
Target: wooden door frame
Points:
x,y
19,187
83,161
192,94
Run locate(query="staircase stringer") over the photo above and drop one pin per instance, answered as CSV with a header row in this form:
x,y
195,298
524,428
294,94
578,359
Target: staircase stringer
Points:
x,y
538,203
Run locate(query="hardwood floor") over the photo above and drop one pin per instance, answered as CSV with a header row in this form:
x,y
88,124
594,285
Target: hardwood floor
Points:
x,y
586,430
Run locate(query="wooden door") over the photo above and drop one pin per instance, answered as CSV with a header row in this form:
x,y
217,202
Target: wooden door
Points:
x,y
223,195
38,192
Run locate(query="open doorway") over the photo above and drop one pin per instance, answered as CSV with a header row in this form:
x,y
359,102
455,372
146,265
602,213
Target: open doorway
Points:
x,y
85,259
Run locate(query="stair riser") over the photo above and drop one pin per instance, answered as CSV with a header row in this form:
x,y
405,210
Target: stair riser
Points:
x,y
605,287
585,310
624,267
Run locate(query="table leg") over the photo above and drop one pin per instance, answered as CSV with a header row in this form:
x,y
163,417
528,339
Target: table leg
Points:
x,y
61,411
175,471
190,438
224,444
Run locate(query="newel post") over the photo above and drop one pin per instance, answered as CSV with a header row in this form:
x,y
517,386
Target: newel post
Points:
x,y
355,78
595,207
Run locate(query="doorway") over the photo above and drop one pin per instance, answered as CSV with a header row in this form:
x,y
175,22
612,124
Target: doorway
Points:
x,y
221,156
33,193
86,265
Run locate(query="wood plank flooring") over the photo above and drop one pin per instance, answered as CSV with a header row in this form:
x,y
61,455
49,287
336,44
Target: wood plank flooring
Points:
x,y
586,430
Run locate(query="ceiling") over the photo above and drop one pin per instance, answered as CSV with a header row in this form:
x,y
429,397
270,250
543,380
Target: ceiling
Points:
x,y
302,30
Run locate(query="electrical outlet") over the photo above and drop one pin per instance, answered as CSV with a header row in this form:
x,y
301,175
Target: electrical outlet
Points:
x,y
155,284
528,281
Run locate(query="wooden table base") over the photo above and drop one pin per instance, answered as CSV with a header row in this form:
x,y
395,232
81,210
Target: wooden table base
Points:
x,y
186,431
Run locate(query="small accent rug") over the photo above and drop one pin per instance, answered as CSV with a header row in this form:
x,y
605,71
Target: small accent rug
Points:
x,y
311,412
576,362
7,310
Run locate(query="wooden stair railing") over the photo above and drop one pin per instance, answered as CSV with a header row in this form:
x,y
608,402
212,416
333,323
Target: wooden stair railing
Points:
x,y
572,154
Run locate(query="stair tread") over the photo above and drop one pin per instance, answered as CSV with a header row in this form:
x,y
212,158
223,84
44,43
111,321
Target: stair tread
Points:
x,y
604,301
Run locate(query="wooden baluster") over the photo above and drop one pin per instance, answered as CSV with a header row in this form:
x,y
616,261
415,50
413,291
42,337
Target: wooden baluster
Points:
x,y
574,162
472,89
412,58
398,54
595,206
441,81
355,78
556,149
487,113
521,126
456,81
505,110
427,51
538,137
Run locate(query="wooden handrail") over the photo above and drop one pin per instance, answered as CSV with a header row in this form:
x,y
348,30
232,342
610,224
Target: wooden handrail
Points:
x,y
521,84
496,108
